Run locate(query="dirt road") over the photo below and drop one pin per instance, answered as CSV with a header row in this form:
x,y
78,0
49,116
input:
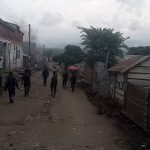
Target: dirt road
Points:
x,y
68,122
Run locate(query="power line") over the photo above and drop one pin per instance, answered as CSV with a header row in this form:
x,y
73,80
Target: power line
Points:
x,y
8,18
3,10
29,39
6,7
3,15
6,15
7,12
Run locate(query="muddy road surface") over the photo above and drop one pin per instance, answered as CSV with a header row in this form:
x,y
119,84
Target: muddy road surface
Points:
x,y
67,122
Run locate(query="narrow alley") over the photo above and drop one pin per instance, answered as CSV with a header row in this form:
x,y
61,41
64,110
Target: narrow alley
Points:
x,y
67,122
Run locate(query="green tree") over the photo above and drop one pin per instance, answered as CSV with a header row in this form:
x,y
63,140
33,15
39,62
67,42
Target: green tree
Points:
x,y
102,45
73,54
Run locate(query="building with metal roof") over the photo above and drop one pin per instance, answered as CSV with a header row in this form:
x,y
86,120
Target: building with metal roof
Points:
x,y
130,87
135,70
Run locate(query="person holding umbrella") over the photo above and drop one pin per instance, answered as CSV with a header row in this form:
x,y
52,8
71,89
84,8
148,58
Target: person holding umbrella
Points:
x,y
73,68
65,79
73,78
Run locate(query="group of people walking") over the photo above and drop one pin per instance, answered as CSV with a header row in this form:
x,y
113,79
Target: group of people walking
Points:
x,y
66,76
71,77
11,83
53,85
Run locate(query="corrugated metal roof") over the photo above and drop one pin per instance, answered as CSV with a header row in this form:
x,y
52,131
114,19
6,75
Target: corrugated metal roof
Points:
x,y
7,25
126,65
10,26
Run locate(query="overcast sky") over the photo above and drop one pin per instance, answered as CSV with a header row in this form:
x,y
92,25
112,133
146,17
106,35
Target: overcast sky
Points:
x,y
54,22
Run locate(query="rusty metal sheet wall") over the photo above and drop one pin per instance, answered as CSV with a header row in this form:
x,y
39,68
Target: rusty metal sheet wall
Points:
x,y
137,105
86,74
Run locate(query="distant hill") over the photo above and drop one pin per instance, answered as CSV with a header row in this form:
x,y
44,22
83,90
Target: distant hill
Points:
x,y
55,51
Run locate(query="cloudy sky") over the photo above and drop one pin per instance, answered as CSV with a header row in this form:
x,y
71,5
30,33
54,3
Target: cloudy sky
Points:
x,y
54,22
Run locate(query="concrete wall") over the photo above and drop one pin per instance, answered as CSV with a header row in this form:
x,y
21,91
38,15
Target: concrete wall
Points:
x,y
10,54
11,35
19,60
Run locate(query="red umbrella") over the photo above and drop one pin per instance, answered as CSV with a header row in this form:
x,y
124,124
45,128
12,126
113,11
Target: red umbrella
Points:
x,y
73,68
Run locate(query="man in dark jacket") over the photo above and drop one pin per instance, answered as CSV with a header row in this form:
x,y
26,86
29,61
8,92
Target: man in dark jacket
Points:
x,y
10,85
1,79
53,84
27,82
28,71
73,80
65,79
45,75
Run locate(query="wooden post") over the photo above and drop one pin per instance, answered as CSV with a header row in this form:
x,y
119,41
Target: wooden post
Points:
x,y
114,86
107,59
125,89
147,116
29,43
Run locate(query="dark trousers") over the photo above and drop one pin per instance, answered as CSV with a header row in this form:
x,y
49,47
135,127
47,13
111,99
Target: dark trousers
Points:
x,y
73,86
53,90
44,81
26,90
64,83
11,96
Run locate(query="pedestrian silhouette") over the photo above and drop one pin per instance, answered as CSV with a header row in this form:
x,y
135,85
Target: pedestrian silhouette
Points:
x,y
28,71
45,75
35,67
53,84
11,85
26,81
65,79
73,80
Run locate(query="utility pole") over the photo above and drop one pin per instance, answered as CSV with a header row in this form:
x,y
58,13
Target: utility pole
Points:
x,y
29,42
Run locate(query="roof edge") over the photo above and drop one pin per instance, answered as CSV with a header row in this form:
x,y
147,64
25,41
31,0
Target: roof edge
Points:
x,y
130,66
136,63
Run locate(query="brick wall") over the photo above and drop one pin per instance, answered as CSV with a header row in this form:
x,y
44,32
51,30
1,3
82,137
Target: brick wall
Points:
x,y
11,34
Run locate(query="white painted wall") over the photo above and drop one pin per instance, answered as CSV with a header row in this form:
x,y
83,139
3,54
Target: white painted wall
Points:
x,y
19,61
11,50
